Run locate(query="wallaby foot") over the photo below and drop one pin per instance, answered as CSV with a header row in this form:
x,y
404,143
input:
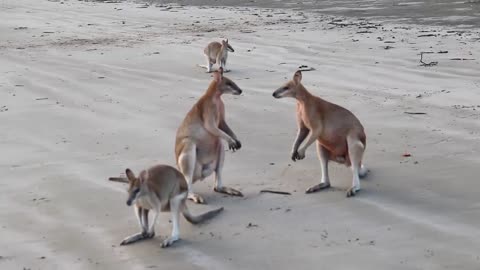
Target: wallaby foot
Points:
x,y
317,187
137,237
196,198
352,191
229,191
169,241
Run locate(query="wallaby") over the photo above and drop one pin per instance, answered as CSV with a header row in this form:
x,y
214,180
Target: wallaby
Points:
x,y
339,134
198,147
160,188
217,52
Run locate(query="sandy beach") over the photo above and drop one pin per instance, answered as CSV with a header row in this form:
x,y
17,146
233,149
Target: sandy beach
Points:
x,y
88,89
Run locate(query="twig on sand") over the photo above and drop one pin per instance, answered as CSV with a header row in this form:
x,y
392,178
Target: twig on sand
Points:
x,y
415,112
275,192
434,63
461,59
428,35
118,179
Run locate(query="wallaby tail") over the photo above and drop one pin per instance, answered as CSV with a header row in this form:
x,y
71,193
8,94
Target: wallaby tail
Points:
x,y
200,218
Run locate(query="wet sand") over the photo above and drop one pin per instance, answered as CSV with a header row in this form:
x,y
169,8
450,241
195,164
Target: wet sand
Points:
x,y
89,89
465,14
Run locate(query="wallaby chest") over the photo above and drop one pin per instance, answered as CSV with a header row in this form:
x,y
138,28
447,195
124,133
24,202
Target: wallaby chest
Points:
x,y
218,109
309,117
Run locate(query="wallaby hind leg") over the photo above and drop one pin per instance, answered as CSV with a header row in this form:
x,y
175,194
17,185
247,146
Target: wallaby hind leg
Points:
x,y
355,152
209,64
363,171
218,175
142,218
151,229
175,208
224,66
187,162
323,156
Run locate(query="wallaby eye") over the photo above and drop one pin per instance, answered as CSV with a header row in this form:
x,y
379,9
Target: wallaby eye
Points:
x,y
285,88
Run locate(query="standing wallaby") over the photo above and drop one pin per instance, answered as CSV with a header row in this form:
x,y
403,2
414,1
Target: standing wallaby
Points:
x,y
217,52
198,147
339,134
160,188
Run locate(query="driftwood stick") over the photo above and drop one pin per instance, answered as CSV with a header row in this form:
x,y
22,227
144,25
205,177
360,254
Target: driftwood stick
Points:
x,y
275,192
426,64
118,179
415,112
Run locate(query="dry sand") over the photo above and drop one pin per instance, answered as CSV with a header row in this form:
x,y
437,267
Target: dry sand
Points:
x,y
88,89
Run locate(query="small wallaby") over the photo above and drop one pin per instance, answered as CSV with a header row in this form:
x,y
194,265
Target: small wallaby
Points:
x,y
199,150
160,188
339,134
217,52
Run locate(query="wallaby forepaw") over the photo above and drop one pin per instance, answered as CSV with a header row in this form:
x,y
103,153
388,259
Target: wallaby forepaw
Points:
x,y
196,198
318,187
169,241
229,191
297,156
235,145
352,191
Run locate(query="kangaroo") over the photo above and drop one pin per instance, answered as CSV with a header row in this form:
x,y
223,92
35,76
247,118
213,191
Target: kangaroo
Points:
x,y
339,134
199,150
217,52
161,188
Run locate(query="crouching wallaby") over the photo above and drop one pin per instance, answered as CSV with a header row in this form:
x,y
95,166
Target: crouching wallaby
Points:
x,y
161,188
198,147
217,52
339,134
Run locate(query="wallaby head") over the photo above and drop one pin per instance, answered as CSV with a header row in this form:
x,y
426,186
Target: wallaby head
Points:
x,y
134,185
290,88
224,85
225,44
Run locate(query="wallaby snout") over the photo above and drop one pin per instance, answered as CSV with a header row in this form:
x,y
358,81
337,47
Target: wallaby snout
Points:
x,y
279,93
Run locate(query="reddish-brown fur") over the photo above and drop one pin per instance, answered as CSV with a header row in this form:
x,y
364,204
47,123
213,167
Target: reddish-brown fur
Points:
x,y
334,134
339,134
198,146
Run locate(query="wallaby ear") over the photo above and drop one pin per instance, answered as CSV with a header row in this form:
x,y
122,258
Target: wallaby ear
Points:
x,y
226,40
297,77
218,75
130,175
